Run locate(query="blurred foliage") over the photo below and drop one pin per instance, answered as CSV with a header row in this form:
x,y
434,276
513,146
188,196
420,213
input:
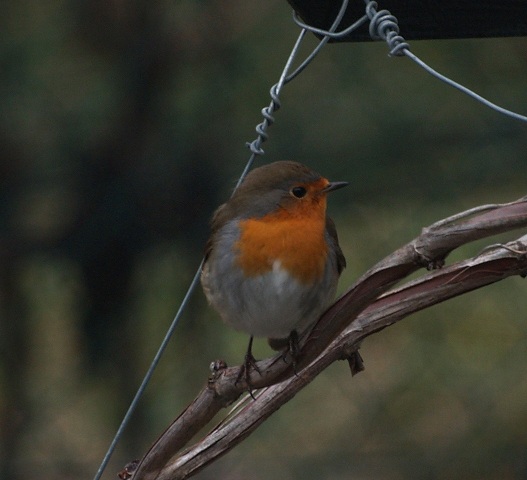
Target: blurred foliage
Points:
x,y
122,127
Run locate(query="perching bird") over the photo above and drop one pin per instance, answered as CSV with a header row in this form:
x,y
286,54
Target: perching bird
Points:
x,y
273,260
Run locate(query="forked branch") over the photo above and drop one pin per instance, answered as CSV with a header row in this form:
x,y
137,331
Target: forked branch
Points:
x,y
364,309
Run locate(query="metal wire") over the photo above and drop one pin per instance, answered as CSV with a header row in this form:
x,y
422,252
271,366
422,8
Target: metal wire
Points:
x,y
327,35
464,89
384,25
148,375
331,33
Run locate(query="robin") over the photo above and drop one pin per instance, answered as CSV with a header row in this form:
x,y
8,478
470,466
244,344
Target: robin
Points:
x,y
273,260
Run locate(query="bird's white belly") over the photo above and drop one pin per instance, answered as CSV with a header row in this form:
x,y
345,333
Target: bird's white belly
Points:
x,y
269,305
272,306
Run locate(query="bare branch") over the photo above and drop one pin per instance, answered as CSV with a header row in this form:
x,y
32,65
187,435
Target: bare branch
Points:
x,y
341,329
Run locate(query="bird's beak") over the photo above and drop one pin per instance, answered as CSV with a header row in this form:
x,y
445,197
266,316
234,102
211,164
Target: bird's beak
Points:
x,y
334,186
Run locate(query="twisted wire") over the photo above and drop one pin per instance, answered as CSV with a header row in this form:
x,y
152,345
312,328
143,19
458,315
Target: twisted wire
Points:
x,y
385,26
267,112
261,129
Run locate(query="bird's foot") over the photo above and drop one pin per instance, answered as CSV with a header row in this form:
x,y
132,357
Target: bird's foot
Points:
x,y
248,364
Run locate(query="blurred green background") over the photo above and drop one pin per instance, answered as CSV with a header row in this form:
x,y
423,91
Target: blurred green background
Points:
x,y
123,126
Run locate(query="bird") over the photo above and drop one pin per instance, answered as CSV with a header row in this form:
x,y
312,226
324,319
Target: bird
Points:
x,y
273,259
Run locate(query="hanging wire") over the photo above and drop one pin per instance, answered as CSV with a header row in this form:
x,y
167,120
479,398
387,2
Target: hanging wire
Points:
x,y
148,375
464,89
384,26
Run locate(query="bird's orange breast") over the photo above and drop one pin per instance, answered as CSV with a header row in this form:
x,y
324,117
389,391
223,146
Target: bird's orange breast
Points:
x,y
295,237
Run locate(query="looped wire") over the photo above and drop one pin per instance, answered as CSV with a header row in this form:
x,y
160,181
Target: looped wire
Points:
x,y
328,33
385,26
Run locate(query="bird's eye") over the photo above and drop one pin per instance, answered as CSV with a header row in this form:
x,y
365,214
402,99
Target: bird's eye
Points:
x,y
298,192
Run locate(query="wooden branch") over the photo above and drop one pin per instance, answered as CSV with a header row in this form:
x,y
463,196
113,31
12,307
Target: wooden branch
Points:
x,y
363,310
